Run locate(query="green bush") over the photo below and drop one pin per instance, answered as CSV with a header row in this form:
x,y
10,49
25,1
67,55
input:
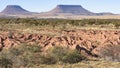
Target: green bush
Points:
x,y
73,57
53,55
58,52
27,55
5,62
48,59
33,48
22,55
117,25
66,55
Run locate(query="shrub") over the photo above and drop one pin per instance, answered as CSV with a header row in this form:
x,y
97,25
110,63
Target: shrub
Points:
x,y
117,25
111,52
5,62
66,55
28,55
73,57
33,48
20,56
48,59
14,51
58,52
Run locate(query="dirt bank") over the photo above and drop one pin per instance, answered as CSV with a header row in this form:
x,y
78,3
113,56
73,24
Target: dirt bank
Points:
x,y
87,41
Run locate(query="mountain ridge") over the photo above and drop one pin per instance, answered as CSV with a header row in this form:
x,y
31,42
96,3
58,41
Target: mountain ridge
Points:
x,y
59,10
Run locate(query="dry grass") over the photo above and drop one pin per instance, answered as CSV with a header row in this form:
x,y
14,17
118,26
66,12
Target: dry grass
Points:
x,y
83,64
47,30
94,17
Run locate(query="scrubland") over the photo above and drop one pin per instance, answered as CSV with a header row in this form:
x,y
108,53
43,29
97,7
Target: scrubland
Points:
x,y
33,43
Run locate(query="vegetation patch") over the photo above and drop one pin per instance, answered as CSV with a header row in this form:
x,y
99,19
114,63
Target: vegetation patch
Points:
x,y
28,55
111,53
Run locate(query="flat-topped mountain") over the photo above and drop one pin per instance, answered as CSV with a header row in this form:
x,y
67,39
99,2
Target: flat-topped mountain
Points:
x,y
14,9
71,9
59,10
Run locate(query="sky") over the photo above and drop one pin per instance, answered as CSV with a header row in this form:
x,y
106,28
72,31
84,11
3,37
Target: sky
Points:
x,y
47,5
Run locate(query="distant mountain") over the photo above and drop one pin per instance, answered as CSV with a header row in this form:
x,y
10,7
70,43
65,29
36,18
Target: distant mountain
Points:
x,y
14,9
105,13
59,10
70,9
74,10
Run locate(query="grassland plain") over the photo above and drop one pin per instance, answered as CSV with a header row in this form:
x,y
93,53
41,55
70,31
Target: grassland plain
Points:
x,y
38,25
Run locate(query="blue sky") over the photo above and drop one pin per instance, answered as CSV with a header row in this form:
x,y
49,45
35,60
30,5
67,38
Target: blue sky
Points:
x,y
46,5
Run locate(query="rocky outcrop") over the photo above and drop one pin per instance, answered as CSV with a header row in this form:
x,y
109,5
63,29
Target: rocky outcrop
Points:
x,y
88,42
